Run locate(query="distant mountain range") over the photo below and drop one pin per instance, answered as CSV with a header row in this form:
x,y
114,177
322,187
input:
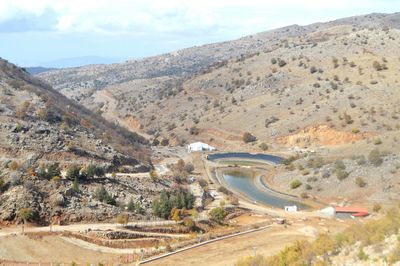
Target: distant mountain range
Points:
x,y
72,62
37,70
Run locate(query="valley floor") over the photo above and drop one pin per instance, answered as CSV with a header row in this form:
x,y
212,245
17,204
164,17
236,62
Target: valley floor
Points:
x,y
267,242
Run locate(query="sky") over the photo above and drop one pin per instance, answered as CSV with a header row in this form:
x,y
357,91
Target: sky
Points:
x,y
41,32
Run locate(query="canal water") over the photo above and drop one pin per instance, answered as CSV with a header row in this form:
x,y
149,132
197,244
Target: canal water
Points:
x,y
244,155
244,182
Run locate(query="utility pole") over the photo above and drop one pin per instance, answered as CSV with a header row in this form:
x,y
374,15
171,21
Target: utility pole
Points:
x,y
255,251
141,254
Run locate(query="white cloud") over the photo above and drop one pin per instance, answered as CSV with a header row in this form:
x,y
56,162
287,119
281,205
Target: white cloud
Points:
x,y
136,28
233,18
116,16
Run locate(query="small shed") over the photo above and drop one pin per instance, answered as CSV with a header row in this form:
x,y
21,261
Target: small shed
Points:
x,y
349,209
291,208
200,146
352,211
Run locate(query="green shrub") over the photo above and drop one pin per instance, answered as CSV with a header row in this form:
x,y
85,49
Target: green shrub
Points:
x,y
312,179
194,130
295,184
218,214
202,182
341,174
73,173
378,66
2,185
281,63
361,160
135,207
316,162
287,161
305,172
224,190
348,119
377,207
25,214
248,137
362,255
48,171
339,165
360,182
189,168
101,194
188,222
304,195
93,170
263,146
75,185
313,69
375,157
291,167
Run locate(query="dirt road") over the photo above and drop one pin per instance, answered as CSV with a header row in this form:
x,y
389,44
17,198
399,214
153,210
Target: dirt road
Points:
x,y
78,227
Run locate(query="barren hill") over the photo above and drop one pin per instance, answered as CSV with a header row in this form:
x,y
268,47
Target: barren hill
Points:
x,y
26,101
275,83
326,88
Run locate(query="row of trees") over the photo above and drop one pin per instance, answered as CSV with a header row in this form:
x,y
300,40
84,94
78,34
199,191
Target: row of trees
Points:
x,y
178,199
90,171
48,171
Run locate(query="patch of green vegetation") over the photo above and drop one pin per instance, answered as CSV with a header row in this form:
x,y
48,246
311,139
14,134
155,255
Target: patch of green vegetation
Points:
x,y
218,214
341,174
102,195
360,182
169,200
289,160
316,162
295,184
375,157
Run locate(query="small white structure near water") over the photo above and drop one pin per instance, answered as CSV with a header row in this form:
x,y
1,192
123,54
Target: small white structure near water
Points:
x,y
291,208
200,146
328,211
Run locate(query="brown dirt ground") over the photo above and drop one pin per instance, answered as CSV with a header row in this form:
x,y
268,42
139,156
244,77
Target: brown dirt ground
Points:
x,y
51,249
321,135
268,242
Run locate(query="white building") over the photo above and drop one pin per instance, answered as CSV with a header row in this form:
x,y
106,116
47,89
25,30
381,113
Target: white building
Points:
x,y
200,146
291,208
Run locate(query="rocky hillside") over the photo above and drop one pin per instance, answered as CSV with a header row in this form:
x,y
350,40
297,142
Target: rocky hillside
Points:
x,y
186,62
43,134
299,76
330,89
37,118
